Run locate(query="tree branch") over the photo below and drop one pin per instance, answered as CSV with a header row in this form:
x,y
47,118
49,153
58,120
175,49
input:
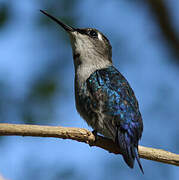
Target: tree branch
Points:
x,y
83,135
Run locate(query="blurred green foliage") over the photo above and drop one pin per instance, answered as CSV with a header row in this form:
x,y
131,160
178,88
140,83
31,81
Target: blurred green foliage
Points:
x,y
37,106
4,14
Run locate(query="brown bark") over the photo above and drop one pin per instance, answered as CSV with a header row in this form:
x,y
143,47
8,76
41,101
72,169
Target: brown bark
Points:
x,y
83,135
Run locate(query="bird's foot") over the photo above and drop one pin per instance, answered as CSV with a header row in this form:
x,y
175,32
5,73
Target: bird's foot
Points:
x,y
95,133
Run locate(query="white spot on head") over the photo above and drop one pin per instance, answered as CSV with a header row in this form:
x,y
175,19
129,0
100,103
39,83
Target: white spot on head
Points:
x,y
100,36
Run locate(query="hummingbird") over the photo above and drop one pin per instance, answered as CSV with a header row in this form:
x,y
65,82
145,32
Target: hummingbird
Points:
x,y
103,96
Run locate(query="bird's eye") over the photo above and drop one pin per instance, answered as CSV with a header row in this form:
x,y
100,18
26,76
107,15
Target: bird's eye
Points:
x,y
93,33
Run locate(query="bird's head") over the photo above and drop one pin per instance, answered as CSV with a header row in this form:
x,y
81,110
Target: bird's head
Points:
x,y
89,46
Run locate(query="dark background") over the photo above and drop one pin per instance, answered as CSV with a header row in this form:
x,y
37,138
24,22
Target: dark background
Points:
x,y
36,84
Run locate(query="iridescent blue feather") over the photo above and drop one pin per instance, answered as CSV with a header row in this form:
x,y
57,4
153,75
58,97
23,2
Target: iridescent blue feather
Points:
x,y
109,105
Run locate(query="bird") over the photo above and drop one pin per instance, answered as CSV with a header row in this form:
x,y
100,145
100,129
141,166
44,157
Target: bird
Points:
x,y
103,96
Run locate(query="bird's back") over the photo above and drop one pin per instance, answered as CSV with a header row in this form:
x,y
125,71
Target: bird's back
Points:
x,y
108,104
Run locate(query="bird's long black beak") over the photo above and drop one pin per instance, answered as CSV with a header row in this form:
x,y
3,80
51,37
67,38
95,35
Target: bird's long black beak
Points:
x,y
66,27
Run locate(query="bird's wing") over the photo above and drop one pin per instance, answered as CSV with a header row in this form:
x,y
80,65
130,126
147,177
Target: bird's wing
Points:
x,y
116,100
109,87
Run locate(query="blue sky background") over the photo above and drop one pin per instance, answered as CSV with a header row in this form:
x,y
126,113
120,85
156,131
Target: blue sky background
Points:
x,y
36,80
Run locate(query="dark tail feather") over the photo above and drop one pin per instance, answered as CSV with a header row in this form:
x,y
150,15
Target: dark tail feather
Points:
x,y
138,159
128,150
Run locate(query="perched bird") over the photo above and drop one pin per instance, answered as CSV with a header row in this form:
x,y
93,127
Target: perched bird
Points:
x,y
104,98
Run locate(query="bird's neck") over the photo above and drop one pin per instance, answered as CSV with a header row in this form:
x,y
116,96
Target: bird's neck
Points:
x,y
85,69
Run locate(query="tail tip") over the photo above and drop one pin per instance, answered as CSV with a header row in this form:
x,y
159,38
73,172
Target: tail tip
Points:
x,y
138,160
130,160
